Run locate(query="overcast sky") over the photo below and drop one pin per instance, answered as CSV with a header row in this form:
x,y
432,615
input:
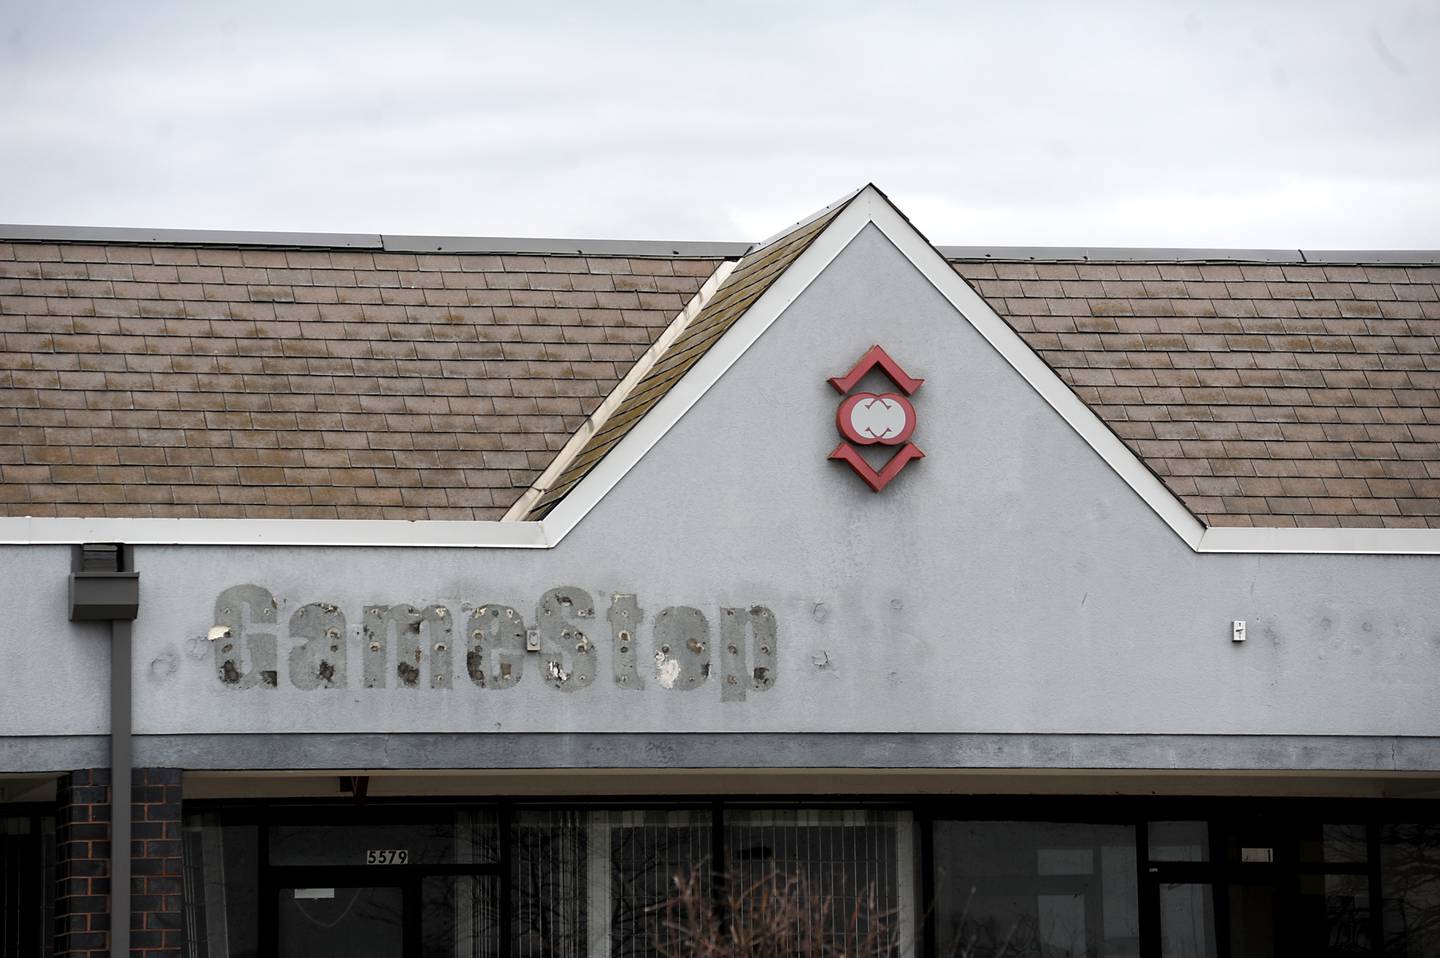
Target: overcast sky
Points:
x,y
1248,124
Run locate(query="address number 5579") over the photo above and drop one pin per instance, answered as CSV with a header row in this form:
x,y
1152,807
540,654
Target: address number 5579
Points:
x,y
387,856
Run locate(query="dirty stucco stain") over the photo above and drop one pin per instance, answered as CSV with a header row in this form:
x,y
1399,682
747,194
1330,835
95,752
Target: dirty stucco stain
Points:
x,y
164,665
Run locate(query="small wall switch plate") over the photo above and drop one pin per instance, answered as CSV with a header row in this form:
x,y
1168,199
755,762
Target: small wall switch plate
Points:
x,y
1237,630
532,640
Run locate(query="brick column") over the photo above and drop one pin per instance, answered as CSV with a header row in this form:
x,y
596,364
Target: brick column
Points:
x,y
156,885
82,864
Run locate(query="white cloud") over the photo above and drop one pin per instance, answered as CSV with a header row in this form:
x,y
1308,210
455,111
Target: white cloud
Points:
x,y
1232,124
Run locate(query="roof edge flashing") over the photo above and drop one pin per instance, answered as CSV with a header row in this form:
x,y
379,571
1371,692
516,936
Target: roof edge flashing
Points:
x,y
394,243
1141,254
704,249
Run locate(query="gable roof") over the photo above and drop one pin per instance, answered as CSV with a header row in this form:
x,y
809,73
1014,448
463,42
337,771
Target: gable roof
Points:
x,y
1050,326
1261,393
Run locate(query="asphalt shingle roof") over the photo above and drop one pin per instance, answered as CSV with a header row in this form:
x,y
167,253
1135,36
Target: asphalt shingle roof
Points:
x,y
300,378
140,380
1265,394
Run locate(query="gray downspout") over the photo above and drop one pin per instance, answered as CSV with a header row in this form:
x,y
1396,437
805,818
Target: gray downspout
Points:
x,y
120,762
104,588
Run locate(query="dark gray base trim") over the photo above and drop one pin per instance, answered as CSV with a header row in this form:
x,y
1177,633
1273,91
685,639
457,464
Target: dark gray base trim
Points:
x,y
53,753
1257,753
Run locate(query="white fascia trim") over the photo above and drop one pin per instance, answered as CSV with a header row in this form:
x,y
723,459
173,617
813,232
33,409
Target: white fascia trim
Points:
x,y
601,415
1337,541
434,533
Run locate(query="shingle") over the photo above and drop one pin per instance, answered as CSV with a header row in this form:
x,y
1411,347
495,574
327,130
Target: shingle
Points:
x,y
1302,372
188,364
1266,394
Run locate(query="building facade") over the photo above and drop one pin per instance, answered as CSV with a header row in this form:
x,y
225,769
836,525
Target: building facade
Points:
x,y
1043,602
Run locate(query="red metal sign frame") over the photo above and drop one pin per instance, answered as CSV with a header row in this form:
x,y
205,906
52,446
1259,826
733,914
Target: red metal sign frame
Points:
x,y
845,452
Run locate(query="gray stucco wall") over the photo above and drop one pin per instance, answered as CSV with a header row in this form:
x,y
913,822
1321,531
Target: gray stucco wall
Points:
x,y
1009,584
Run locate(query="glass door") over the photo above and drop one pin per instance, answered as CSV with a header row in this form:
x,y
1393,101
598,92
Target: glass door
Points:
x,y
326,916
417,915
1186,919
1219,889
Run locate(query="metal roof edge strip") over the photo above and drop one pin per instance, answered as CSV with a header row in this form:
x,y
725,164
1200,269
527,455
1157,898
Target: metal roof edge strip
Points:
x,y
1140,254
1376,257
521,246
408,243
805,221
185,237
398,243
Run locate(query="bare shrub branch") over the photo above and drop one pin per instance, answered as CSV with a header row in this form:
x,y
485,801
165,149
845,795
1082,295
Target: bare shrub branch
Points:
x,y
774,916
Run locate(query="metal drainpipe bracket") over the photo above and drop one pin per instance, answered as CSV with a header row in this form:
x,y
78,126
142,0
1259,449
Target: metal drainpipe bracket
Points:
x,y
104,596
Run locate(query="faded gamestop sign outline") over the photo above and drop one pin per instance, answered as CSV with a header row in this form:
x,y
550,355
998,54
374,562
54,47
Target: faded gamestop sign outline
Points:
x,y
404,645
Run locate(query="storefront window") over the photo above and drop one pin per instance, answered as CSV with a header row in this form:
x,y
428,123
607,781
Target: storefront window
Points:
x,y
1187,921
559,882
1179,842
650,853
551,876
1410,882
1334,915
1006,889
460,916
27,885
222,890
1333,844
857,866
593,883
